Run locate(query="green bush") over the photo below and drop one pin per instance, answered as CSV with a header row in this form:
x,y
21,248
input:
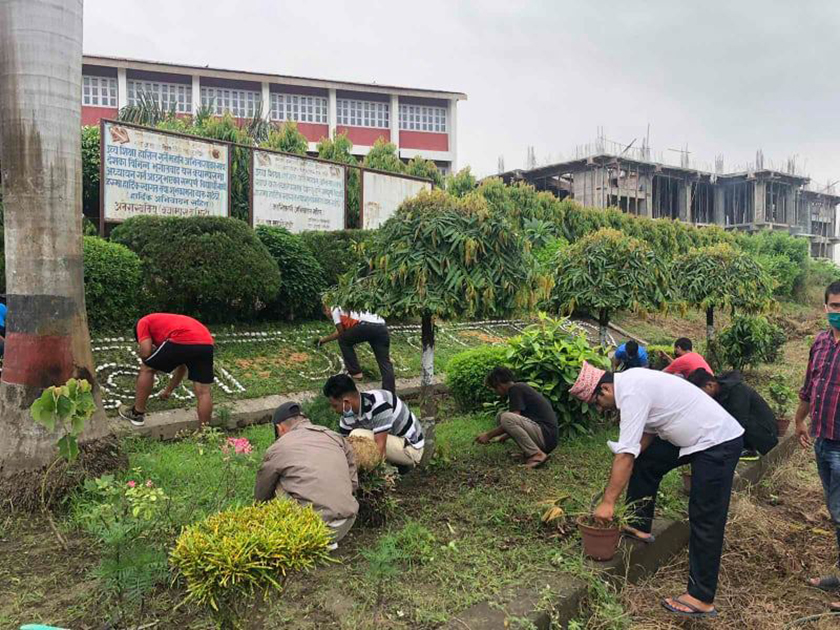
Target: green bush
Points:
x,y
113,284
655,361
301,277
466,371
90,171
337,252
822,273
748,340
213,268
548,357
233,555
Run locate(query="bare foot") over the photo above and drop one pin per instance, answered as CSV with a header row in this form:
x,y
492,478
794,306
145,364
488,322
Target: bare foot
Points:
x,y
535,461
688,599
834,607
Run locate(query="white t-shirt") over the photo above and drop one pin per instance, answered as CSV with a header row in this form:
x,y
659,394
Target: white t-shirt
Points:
x,y
352,318
650,401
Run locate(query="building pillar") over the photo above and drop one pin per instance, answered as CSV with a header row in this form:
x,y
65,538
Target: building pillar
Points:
x,y
122,88
759,210
646,189
684,201
332,112
719,205
452,127
266,100
196,94
790,206
395,121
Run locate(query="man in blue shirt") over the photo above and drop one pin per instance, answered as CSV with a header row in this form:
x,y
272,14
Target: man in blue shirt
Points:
x,y
630,355
2,325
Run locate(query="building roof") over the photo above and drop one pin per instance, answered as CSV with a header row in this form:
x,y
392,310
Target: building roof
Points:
x,y
206,71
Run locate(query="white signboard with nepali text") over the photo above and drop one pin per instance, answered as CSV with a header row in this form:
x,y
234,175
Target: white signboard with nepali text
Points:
x,y
296,193
382,194
146,172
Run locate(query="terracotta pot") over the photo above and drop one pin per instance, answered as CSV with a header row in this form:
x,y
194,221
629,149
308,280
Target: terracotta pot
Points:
x,y
598,543
782,424
686,477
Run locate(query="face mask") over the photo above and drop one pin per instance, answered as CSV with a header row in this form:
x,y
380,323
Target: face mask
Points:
x,y
834,320
347,410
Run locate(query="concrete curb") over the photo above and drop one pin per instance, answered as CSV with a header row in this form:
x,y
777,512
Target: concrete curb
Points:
x,y
166,425
633,562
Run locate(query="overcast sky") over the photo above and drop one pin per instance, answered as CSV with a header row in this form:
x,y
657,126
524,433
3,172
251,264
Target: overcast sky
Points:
x,y
721,77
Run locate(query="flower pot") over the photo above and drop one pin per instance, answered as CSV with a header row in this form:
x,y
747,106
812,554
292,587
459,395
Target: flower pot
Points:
x,y
782,424
599,543
686,478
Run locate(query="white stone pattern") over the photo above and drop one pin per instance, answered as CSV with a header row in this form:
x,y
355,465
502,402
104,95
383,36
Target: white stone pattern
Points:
x,y
116,378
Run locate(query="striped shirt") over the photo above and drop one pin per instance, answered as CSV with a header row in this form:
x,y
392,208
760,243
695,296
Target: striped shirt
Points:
x,y
383,411
822,386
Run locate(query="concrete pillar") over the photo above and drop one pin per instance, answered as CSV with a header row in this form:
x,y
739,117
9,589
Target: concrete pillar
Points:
x,y
196,94
452,127
718,196
759,211
645,195
395,121
266,100
332,112
684,201
122,88
790,206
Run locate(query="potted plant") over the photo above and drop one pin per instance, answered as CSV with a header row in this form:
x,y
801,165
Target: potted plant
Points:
x,y
781,395
600,540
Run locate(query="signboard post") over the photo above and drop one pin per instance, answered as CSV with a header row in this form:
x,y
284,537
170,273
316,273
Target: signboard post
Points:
x,y
382,193
297,193
149,172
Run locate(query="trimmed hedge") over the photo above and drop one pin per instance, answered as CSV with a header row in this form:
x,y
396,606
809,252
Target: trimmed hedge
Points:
x,y
336,252
466,371
113,284
301,277
212,268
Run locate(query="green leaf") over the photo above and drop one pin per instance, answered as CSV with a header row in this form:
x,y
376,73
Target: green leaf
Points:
x,y
43,410
68,447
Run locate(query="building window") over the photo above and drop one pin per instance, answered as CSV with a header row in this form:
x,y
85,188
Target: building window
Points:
x,y
169,96
99,91
352,113
309,109
240,103
423,118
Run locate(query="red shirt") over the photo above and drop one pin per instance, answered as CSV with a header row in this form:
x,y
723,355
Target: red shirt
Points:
x,y
160,327
822,387
687,363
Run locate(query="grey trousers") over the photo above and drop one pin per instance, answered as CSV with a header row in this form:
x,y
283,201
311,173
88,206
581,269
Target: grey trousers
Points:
x,y
525,432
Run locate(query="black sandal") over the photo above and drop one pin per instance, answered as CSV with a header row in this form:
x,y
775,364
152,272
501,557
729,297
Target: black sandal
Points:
x,y
695,612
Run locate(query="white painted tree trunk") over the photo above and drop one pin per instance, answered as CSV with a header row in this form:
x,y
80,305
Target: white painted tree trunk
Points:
x,y
427,340
47,338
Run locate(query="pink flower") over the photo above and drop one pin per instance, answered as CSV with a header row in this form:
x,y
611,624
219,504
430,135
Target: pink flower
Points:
x,y
131,484
241,446
149,483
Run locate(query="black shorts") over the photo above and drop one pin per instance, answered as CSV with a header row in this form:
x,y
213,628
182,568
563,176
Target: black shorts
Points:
x,y
197,357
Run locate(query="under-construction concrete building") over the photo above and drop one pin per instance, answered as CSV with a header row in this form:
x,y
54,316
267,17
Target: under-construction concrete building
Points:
x,y
607,175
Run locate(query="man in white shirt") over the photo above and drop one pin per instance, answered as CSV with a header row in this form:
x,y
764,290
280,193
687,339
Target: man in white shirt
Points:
x,y
665,422
353,328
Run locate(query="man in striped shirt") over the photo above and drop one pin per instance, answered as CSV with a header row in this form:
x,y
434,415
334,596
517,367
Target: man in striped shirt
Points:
x,y
377,415
820,398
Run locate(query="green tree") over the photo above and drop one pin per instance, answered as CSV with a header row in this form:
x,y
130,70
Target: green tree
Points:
x,y
383,157
719,276
448,258
420,167
286,137
606,272
339,149
461,183
90,171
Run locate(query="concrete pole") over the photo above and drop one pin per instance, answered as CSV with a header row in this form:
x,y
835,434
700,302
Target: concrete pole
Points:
x,y
332,112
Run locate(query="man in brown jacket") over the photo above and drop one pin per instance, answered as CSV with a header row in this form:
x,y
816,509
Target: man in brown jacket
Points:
x,y
312,465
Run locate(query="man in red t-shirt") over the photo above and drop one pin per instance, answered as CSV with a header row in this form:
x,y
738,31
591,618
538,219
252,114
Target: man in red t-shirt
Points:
x,y
167,343
686,360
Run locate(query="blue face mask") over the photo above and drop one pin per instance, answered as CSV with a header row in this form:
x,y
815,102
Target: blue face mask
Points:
x,y
834,320
347,411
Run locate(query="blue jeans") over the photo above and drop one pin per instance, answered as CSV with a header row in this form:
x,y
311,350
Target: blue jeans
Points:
x,y
828,466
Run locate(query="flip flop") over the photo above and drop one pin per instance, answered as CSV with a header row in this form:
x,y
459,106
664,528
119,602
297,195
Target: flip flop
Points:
x,y
696,612
825,583
646,541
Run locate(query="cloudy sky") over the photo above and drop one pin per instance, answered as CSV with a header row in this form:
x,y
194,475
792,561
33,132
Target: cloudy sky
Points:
x,y
720,77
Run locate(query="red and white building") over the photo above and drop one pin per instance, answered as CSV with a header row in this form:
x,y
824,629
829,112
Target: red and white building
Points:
x,y
418,121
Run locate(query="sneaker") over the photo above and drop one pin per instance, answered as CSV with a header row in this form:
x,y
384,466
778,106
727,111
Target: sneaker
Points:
x,y
128,413
749,456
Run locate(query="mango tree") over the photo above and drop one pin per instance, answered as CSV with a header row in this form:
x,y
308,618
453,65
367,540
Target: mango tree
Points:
x,y
607,271
721,276
448,258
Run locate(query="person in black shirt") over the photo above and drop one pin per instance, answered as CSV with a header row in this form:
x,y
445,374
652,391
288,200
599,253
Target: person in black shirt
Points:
x,y
530,420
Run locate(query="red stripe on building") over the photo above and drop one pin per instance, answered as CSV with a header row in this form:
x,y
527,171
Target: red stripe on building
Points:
x,y
314,132
424,140
92,115
365,136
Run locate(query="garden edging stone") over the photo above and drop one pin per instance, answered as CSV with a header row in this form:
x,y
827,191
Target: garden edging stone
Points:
x,y
633,562
166,425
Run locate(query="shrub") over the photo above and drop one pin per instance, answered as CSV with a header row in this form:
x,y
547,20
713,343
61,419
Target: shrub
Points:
x,y
655,361
748,340
461,183
286,137
823,272
113,284
466,371
339,149
90,171
548,357
421,167
213,268
301,277
383,157
337,252
376,496
231,556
